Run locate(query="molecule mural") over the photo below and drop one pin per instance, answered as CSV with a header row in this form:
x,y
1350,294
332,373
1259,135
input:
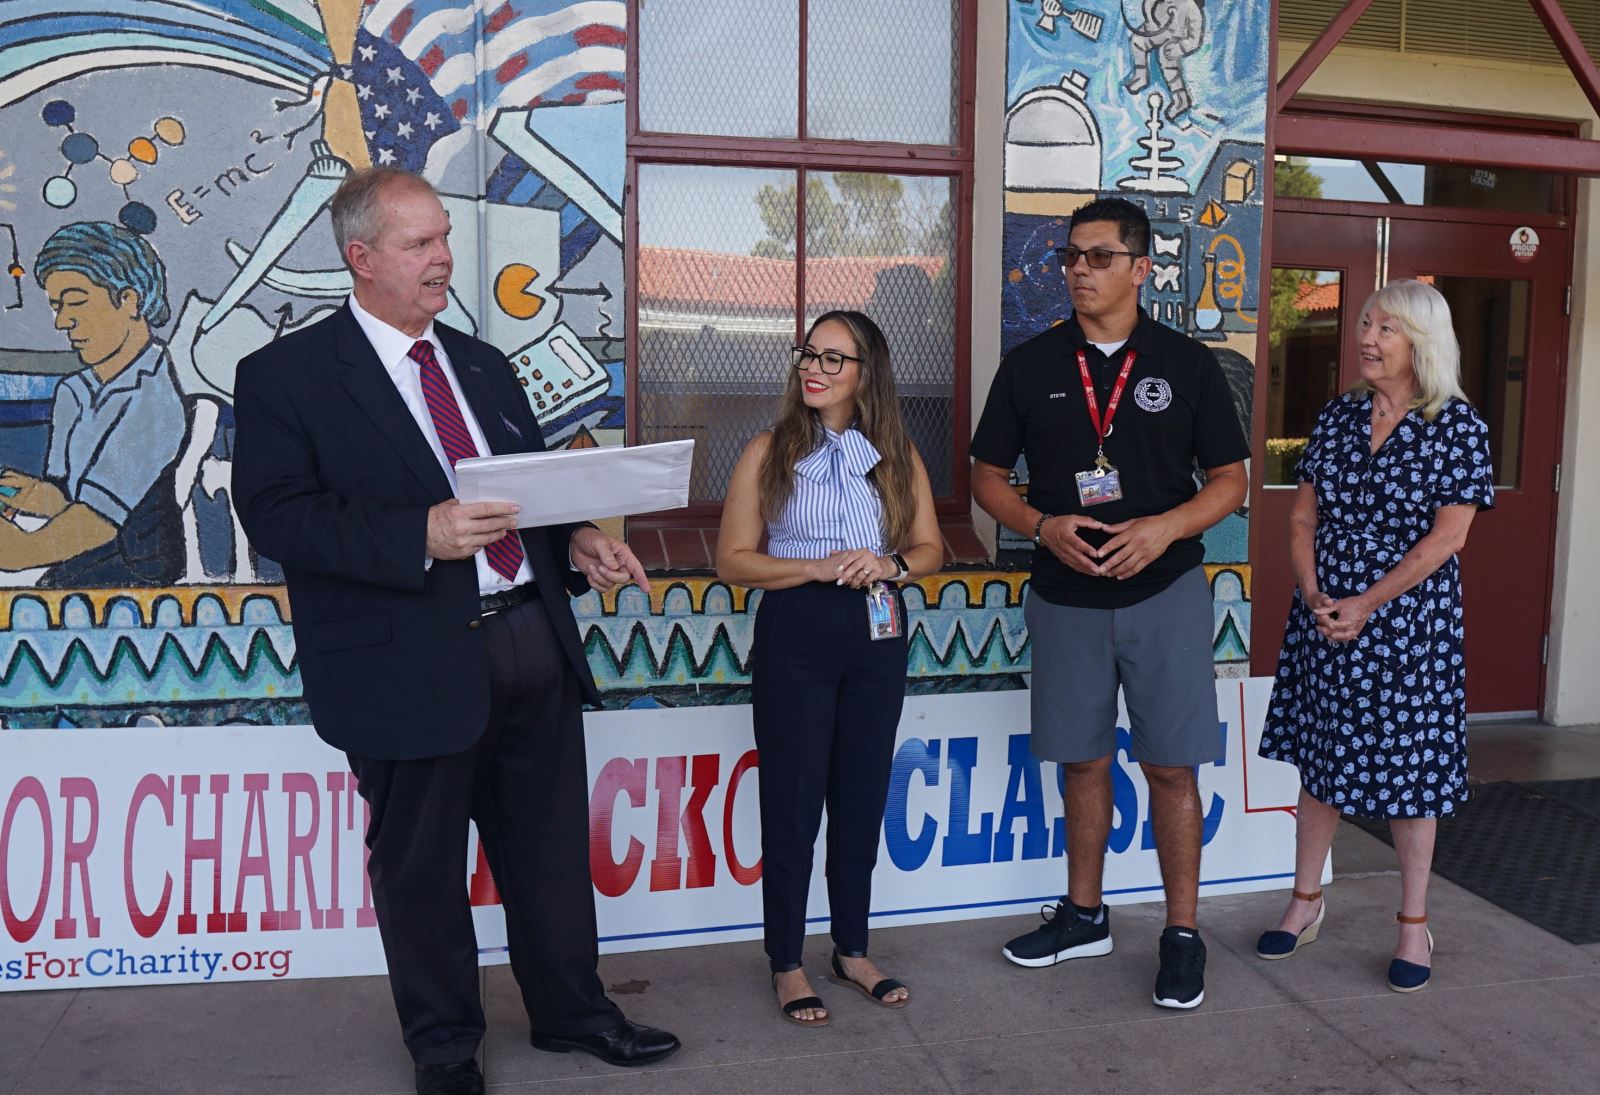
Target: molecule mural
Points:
x,y
80,149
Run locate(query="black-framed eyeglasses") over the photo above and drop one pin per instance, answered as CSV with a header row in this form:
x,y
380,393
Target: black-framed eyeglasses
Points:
x,y
832,360
1099,257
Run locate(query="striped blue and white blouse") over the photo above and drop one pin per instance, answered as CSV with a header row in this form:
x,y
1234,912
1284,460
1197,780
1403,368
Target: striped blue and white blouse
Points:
x,y
834,507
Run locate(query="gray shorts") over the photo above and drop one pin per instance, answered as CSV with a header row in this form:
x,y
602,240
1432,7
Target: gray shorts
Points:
x,y
1158,651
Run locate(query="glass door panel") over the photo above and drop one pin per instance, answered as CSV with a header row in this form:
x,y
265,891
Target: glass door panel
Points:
x,y
1302,363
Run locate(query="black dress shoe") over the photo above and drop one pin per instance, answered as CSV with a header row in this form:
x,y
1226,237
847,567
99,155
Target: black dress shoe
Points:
x,y
461,1078
629,1044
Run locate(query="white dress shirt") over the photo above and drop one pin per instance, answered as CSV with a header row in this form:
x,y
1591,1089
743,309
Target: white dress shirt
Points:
x,y
393,347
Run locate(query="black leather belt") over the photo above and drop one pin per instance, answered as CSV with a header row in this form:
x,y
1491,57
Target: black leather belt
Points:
x,y
491,603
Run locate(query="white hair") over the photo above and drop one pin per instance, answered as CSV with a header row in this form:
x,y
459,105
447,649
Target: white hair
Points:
x,y
356,208
1424,318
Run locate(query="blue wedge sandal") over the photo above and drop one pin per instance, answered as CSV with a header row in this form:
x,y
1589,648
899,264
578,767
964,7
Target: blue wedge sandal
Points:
x,y
1280,944
1408,976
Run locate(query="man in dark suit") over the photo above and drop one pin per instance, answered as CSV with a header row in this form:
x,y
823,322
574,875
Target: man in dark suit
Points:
x,y
436,643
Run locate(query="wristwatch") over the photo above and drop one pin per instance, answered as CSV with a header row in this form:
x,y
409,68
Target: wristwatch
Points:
x,y
1038,526
899,561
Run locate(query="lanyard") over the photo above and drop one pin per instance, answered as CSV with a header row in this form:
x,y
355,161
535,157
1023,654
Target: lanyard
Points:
x,y
1102,427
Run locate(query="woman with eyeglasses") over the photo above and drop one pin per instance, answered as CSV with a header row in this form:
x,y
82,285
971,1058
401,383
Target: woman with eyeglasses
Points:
x,y
843,500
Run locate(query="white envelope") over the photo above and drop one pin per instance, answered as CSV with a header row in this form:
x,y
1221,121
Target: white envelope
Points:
x,y
554,488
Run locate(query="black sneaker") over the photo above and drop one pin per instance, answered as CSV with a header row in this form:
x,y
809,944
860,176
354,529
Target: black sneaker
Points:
x,y
1181,983
1063,935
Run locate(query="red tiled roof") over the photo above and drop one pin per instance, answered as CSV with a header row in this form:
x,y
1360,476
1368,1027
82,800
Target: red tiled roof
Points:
x,y
674,277
1315,297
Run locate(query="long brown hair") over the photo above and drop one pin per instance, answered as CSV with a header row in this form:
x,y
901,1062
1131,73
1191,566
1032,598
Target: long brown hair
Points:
x,y
797,431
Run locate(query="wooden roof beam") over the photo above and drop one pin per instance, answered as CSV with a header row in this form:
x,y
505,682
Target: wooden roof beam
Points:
x,y
1571,48
1318,51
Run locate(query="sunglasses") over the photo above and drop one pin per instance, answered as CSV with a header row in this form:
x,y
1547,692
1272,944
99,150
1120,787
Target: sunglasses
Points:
x,y
1099,257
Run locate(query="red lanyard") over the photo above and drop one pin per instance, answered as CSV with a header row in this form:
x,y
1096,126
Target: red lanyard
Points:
x,y
1103,428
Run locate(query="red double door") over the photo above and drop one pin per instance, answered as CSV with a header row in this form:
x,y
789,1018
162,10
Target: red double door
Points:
x,y
1507,292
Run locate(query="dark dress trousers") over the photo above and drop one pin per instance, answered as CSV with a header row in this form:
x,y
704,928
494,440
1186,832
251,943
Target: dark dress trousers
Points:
x,y
826,702
445,714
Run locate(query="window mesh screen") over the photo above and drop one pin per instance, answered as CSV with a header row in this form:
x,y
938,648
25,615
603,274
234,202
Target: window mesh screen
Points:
x,y
871,78
717,283
716,309
724,67
885,245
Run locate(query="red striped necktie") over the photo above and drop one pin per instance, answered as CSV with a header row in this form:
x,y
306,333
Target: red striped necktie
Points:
x,y
505,554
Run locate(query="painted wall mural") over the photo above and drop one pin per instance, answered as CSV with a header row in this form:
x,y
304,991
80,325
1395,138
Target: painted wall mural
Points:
x,y
164,174
167,170
1162,102
213,656
165,167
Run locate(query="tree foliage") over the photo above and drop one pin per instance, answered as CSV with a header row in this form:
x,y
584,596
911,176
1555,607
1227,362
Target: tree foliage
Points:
x,y
867,217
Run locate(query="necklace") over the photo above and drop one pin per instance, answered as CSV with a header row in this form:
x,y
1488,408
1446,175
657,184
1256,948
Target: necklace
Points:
x,y
1382,411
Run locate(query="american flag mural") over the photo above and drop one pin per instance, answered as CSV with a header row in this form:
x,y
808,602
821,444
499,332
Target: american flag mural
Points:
x,y
425,71
402,114
509,53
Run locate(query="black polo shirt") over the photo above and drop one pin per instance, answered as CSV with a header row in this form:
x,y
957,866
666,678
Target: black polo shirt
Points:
x,y
1176,412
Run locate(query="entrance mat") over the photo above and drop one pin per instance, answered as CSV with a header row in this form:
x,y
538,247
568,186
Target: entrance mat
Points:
x,y
1581,793
1531,848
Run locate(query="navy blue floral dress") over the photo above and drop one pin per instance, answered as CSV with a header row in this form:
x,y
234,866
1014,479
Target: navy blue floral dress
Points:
x,y
1377,726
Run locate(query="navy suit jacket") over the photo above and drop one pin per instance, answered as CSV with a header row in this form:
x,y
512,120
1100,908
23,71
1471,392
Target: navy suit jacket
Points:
x,y
333,480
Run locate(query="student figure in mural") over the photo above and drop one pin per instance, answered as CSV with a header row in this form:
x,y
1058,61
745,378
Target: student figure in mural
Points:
x,y
1370,699
1113,411
436,642
1172,30
843,499
105,511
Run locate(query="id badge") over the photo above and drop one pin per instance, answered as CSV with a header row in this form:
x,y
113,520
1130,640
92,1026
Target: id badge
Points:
x,y
1099,485
883,613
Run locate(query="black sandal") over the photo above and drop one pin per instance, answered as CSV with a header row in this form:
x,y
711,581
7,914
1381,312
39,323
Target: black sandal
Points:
x,y
876,993
793,1006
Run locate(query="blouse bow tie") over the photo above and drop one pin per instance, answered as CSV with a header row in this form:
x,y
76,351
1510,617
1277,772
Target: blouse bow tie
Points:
x,y
859,455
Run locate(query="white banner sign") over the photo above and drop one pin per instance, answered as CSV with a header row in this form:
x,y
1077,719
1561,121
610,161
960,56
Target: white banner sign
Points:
x,y
159,855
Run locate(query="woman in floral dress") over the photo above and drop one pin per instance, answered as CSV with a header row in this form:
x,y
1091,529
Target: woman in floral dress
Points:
x,y
1370,698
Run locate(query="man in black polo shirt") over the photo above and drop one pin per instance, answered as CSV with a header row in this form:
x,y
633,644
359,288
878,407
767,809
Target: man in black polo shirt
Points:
x,y
1114,412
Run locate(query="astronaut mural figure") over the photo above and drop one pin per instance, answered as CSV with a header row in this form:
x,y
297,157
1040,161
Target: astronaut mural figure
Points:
x,y
1172,30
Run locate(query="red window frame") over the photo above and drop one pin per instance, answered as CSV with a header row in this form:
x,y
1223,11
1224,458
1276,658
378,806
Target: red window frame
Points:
x,y
801,154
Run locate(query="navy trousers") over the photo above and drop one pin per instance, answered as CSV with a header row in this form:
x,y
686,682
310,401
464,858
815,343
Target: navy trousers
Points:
x,y
827,702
